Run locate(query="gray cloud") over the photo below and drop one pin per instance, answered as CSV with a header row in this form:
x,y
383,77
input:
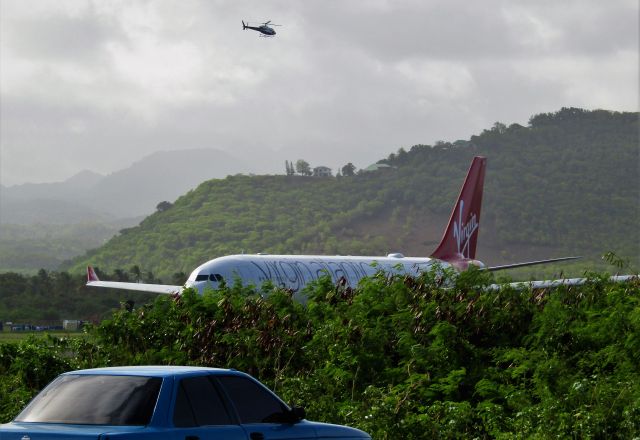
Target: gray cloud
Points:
x,y
59,38
97,85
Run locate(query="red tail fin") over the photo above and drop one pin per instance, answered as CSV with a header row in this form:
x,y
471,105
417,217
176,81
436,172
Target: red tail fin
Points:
x,y
91,274
460,238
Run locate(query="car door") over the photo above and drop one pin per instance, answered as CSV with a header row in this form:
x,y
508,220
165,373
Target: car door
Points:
x,y
201,414
261,412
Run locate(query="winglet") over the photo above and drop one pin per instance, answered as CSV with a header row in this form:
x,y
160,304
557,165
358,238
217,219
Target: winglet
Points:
x,y
244,26
461,236
91,275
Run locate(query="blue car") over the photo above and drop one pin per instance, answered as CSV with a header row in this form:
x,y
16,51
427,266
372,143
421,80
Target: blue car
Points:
x,y
164,402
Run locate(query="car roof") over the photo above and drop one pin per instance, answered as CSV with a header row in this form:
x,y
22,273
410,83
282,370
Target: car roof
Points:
x,y
155,371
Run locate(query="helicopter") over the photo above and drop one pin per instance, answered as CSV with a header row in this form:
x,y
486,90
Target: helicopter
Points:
x,y
265,29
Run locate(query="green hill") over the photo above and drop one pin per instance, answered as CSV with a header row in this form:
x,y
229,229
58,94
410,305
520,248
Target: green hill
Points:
x,y
25,248
567,184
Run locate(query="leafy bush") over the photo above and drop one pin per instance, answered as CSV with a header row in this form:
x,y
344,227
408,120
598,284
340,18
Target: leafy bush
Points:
x,y
400,357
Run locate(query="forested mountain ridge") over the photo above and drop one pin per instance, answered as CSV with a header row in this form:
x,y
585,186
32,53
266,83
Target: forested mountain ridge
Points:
x,y
566,183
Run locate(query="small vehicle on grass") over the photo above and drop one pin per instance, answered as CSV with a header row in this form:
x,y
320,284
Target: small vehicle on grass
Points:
x,y
164,402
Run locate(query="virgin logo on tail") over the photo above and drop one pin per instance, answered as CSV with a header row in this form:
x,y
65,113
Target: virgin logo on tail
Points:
x,y
461,236
462,232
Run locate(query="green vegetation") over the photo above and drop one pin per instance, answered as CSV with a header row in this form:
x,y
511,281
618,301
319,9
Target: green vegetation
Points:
x,y
400,357
11,336
567,184
50,297
25,248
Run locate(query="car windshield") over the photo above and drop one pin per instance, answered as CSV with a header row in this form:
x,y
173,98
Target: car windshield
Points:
x,y
95,400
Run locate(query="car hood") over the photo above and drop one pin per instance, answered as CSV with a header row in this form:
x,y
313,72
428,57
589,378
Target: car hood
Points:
x,y
329,431
52,431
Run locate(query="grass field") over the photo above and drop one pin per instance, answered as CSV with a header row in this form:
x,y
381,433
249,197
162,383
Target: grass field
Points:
x,y
8,336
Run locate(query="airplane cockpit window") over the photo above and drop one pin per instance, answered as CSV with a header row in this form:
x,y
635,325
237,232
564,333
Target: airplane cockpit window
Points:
x,y
215,277
202,277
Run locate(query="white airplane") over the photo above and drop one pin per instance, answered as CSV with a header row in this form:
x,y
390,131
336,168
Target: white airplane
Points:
x,y
457,250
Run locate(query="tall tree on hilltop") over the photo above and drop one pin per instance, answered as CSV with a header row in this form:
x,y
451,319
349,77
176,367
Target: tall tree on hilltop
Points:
x,y
349,169
289,166
303,167
163,206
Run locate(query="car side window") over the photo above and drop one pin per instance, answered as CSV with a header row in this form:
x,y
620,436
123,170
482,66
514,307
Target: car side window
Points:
x,y
252,401
199,403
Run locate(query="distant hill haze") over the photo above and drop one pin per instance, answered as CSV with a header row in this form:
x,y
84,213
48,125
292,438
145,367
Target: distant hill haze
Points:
x,y
42,225
566,184
130,192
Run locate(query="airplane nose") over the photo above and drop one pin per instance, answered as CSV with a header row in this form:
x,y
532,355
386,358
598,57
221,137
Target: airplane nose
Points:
x,y
197,285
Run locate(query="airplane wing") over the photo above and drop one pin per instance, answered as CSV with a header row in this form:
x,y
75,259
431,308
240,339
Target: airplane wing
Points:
x,y
529,263
525,285
94,281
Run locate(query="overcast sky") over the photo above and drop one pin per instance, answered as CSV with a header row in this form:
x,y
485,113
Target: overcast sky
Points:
x,y
99,84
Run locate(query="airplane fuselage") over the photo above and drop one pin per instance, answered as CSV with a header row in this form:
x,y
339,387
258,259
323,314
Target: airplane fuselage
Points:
x,y
295,271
